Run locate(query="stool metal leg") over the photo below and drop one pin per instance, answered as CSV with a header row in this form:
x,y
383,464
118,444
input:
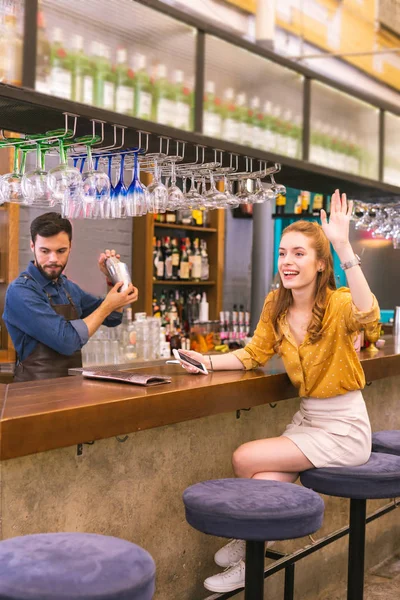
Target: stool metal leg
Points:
x,y
289,582
254,580
355,575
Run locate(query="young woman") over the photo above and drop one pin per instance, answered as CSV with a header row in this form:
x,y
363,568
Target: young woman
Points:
x,y
312,326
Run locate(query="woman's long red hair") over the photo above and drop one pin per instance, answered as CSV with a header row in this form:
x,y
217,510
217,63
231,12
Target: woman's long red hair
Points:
x,y
283,298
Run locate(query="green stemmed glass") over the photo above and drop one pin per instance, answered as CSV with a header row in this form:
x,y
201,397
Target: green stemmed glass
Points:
x,y
65,181
12,182
35,186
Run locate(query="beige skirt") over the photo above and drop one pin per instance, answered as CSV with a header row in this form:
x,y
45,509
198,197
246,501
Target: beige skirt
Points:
x,y
332,432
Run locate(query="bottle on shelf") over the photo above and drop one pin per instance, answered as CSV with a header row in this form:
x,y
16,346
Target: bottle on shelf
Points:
x,y
101,68
256,131
184,267
280,204
230,125
212,118
108,81
60,67
10,51
43,67
170,217
78,69
196,261
130,350
269,137
144,90
298,206
241,115
159,265
205,267
190,256
181,101
163,111
176,257
317,205
305,202
204,309
124,100
167,258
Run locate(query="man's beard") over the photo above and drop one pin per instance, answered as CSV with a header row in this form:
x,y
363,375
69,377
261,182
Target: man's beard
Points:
x,y
50,274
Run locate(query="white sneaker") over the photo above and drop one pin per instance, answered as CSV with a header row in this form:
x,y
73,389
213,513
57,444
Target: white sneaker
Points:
x,y
227,581
232,552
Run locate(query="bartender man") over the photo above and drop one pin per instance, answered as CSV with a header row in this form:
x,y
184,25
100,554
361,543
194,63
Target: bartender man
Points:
x,y
50,318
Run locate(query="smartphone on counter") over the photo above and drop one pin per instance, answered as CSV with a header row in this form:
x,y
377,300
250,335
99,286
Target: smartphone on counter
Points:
x,y
190,361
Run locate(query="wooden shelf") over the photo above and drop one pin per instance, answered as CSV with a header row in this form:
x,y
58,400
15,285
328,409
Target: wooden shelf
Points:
x,y
185,227
179,282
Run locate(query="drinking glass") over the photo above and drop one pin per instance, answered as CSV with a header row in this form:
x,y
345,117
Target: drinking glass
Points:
x,y
214,198
64,181
35,186
157,191
193,197
96,184
12,182
136,200
176,199
118,199
261,193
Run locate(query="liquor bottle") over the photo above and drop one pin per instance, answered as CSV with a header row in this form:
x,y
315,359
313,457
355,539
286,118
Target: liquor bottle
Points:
x,y
269,127
305,202
10,51
241,315
256,130
124,101
163,308
185,216
60,74
190,256
184,270
143,88
241,115
172,317
212,120
163,109
317,205
78,64
156,307
298,206
167,259
170,216
197,217
42,83
175,259
181,101
205,267
280,204
131,346
108,82
100,69
278,127
196,267
230,125
159,262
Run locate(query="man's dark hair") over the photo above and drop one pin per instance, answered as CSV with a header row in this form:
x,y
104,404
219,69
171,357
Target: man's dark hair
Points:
x,y
50,224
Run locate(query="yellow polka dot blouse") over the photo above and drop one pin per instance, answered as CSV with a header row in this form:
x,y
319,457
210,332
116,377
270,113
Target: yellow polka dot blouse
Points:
x,y
330,366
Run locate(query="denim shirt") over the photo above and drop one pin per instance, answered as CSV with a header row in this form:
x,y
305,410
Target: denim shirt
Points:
x,y
30,319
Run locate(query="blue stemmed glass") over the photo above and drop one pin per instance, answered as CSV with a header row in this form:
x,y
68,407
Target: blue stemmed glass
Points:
x,y
118,198
137,196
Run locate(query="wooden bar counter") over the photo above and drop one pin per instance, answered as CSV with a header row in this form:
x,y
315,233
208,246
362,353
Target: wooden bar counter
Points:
x,y
44,415
152,443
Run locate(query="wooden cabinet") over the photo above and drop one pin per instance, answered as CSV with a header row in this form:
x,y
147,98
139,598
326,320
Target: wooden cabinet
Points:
x,y
9,232
144,229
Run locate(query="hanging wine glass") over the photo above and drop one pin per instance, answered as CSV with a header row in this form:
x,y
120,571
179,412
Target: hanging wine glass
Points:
x,y
176,199
35,183
158,193
118,199
193,197
64,181
96,184
214,198
12,182
137,196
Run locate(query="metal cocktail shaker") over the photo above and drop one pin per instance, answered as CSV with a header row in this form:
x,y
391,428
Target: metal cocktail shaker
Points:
x,y
396,322
118,271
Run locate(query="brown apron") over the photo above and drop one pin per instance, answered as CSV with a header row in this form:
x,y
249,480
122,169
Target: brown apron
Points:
x,y
44,362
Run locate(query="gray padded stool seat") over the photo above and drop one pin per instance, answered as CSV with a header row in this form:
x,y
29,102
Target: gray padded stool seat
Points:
x,y
377,478
255,511
387,441
74,566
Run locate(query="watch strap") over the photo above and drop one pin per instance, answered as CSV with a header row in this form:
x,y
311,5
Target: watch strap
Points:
x,y
351,263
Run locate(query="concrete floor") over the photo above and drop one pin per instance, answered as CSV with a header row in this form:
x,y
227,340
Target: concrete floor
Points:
x,y
382,583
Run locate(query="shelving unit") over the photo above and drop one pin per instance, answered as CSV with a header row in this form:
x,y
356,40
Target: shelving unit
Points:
x,y
144,229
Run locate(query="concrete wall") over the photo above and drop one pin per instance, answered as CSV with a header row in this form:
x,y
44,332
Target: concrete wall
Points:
x,y
134,490
237,273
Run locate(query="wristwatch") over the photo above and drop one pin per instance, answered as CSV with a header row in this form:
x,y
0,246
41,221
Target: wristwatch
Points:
x,y
351,263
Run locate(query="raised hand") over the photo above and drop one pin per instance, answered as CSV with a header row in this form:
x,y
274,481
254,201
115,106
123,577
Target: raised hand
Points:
x,y
337,230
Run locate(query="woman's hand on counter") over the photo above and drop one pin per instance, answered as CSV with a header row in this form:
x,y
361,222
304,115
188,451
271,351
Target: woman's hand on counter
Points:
x,y
217,362
196,356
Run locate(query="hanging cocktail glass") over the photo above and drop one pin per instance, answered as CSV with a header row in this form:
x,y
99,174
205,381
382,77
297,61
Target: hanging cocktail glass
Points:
x,y
118,198
12,182
158,193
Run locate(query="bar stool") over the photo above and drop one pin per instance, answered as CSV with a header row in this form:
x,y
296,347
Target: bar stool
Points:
x,y
377,478
256,511
55,566
387,441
